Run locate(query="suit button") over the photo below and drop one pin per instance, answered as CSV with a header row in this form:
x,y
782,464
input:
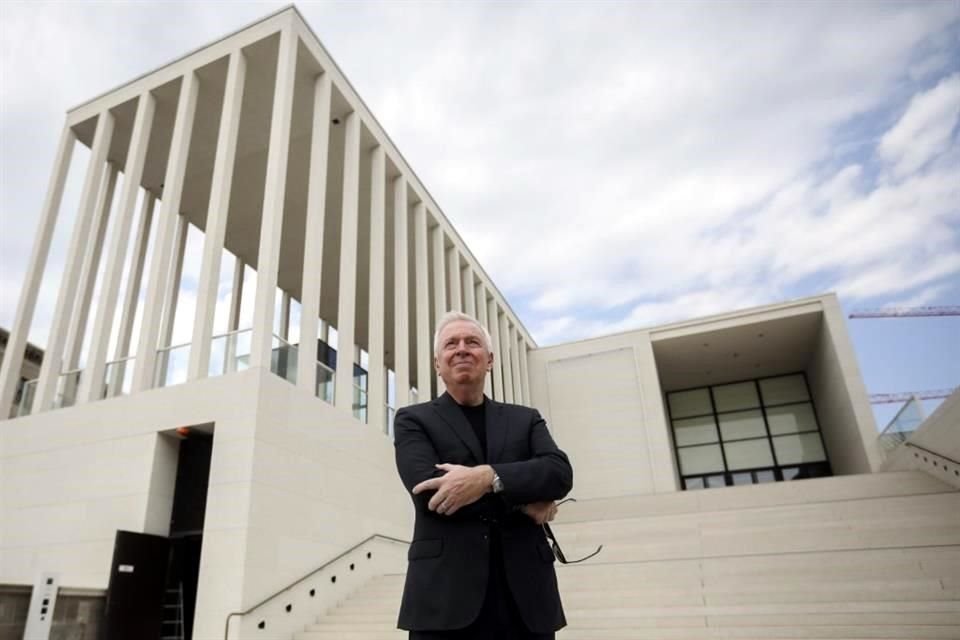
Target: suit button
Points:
x,y
486,537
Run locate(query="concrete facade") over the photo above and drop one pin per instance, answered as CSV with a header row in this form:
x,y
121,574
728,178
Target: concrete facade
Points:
x,y
259,142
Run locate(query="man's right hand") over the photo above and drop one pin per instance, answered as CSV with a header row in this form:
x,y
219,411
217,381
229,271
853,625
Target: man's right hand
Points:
x,y
541,512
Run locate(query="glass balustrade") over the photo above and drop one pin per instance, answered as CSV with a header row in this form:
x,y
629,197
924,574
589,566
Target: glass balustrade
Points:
x,y
117,378
359,403
171,366
902,426
283,359
67,386
326,380
229,352
26,398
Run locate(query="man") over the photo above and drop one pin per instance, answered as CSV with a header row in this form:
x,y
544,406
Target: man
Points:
x,y
484,476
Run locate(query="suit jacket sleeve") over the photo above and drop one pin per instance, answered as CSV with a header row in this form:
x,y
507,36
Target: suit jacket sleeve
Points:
x,y
547,475
416,459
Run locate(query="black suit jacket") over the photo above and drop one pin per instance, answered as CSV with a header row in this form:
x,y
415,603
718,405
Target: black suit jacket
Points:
x,y
449,558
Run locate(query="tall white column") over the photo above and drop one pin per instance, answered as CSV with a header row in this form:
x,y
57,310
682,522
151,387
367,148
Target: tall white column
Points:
x,y
92,379
505,358
494,327
79,238
469,292
233,322
89,271
271,225
165,236
401,312
132,294
284,319
217,214
17,341
454,277
376,343
313,231
524,371
439,289
422,302
173,282
515,365
347,303
481,296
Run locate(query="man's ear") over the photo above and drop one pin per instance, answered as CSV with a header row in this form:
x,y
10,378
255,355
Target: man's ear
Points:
x,y
490,361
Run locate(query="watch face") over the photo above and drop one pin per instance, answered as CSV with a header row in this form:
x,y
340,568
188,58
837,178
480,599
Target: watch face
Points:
x,y
497,485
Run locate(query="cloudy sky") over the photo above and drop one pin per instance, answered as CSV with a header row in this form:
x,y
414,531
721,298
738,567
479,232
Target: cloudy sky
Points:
x,y
613,165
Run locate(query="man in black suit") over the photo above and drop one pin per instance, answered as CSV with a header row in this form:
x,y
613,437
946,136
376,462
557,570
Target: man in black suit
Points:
x,y
484,476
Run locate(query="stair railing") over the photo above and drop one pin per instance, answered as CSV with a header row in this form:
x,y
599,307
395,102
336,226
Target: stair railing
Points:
x,y
376,536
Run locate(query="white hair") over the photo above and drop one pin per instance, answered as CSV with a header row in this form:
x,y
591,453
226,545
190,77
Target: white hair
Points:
x,y
456,316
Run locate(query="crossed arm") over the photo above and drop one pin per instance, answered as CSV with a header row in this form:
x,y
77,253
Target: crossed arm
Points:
x,y
453,490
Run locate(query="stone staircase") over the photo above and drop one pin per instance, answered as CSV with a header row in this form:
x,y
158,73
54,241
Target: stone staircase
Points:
x,y
868,557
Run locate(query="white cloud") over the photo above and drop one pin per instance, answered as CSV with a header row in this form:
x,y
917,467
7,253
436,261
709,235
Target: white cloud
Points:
x,y
925,129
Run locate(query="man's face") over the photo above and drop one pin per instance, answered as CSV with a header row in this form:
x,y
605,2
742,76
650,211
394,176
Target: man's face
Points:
x,y
462,357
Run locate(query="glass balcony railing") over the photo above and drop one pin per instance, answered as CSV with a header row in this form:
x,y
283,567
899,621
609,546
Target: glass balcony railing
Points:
x,y
359,403
117,378
283,359
391,413
326,380
229,352
26,398
171,365
67,386
906,421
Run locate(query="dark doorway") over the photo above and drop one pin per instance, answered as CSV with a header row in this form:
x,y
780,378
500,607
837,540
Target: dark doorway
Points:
x,y
186,533
137,577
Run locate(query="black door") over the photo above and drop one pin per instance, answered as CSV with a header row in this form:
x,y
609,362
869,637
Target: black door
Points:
x,y
135,594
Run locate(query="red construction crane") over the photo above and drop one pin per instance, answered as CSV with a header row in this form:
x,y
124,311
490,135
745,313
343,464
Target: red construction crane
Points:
x,y
906,312
887,398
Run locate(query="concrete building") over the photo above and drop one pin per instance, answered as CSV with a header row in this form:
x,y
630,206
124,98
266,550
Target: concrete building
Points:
x,y
29,369
246,479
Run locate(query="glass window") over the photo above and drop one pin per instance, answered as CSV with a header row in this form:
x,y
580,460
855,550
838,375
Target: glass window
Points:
x,y
803,447
702,459
693,483
695,402
744,477
784,389
767,475
731,397
791,418
715,481
748,454
742,424
695,431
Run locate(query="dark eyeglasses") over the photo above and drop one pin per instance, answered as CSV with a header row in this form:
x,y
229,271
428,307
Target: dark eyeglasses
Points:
x,y
557,551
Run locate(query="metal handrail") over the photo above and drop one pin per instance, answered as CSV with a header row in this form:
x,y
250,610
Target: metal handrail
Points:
x,y
933,453
226,626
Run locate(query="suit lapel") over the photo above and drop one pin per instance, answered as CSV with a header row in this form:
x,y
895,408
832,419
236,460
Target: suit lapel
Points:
x,y
452,415
496,430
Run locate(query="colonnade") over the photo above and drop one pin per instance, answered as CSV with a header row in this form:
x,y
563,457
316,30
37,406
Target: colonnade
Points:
x,y
444,274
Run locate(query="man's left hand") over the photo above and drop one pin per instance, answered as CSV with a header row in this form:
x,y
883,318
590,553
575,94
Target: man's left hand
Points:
x,y
458,487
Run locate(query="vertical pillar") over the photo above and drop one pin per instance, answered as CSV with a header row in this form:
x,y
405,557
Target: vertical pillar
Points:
x,y
17,341
515,365
401,312
217,214
132,295
89,271
173,282
376,343
454,277
494,327
66,296
284,319
439,290
524,371
347,303
469,292
313,231
91,382
145,363
271,225
505,349
481,295
422,302
233,322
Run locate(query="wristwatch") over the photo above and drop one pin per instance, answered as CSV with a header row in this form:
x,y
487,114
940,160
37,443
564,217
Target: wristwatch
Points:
x,y
497,483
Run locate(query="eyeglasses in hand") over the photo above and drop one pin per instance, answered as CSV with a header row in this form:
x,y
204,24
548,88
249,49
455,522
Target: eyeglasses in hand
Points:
x,y
557,551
